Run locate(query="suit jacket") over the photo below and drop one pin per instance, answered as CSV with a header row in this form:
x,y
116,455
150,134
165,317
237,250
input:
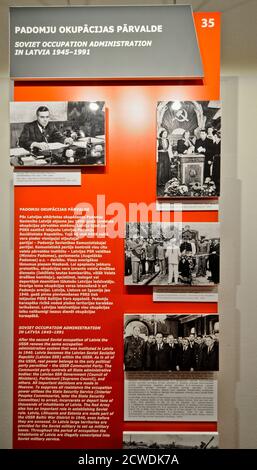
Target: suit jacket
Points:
x,y
207,144
210,361
160,251
186,246
134,350
184,268
151,252
186,359
160,358
173,352
181,146
148,356
215,249
31,133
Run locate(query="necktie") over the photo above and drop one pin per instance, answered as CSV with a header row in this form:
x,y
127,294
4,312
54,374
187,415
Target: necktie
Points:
x,y
44,134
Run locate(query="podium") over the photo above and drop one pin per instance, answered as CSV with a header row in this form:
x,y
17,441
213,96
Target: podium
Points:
x,y
192,169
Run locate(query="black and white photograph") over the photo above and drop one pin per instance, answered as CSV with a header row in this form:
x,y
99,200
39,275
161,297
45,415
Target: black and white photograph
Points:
x,y
61,133
170,440
188,149
172,342
172,254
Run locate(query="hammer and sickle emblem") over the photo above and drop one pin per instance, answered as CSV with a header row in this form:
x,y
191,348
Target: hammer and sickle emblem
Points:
x,y
181,115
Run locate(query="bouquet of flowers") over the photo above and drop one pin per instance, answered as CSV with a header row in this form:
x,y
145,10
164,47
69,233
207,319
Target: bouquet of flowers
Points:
x,y
196,189
209,187
171,187
174,187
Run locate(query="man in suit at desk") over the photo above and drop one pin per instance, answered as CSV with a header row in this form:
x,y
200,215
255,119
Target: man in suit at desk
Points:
x,y
38,134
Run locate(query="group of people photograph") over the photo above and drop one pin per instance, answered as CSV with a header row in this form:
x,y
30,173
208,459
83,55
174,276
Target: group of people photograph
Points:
x,y
170,440
57,133
171,343
163,254
188,148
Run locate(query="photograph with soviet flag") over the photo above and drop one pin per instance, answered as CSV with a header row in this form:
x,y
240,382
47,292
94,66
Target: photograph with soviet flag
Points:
x,y
188,149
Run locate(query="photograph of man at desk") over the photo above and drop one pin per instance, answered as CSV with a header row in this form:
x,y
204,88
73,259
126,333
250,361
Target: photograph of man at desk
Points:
x,y
57,133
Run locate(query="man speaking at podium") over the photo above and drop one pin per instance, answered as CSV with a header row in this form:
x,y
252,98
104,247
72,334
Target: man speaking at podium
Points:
x,y
38,134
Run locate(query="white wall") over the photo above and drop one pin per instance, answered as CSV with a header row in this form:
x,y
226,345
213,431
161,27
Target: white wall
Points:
x,y
246,389
6,273
238,375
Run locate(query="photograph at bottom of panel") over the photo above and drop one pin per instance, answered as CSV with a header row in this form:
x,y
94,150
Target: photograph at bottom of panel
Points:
x,y
170,440
170,254
171,343
61,133
188,149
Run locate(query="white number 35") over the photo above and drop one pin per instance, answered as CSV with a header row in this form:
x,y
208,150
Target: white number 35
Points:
x,y
208,22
